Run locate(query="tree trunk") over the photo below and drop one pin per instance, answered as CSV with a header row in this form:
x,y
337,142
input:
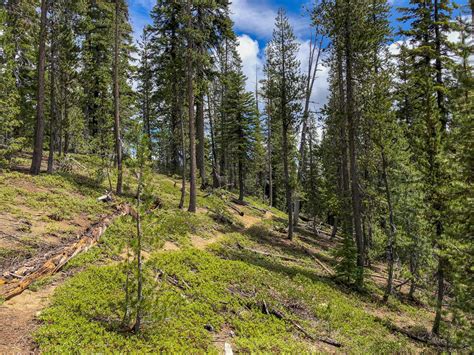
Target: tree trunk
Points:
x,y
118,140
438,205
39,126
311,77
270,168
53,109
241,179
200,136
136,327
192,128
334,229
439,297
391,230
346,213
183,171
352,128
215,172
289,204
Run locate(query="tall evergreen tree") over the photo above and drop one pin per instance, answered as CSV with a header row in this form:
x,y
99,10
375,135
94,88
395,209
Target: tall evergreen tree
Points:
x,y
39,126
430,23
285,89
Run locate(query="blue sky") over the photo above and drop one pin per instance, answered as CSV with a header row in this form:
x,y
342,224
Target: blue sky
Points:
x,y
253,23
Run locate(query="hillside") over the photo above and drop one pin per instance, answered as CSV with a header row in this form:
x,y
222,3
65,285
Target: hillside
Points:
x,y
213,281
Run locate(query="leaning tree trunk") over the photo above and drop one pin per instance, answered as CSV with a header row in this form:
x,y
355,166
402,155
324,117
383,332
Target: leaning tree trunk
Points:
x,y
118,141
310,79
39,126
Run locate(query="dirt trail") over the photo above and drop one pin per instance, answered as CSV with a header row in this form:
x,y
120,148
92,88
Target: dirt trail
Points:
x,y
19,322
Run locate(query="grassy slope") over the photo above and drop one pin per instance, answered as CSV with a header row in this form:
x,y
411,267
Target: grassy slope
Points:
x,y
196,299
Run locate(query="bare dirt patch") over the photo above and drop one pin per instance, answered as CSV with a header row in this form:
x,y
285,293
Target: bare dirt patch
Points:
x,y
19,319
223,339
201,243
169,246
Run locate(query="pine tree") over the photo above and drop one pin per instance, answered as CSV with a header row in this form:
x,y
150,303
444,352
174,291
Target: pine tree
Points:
x,y
39,126
240,108
285,89
20,41
9,95
430,21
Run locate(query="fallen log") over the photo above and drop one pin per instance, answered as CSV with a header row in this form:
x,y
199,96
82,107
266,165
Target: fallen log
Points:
x,y
106,198
287,258
316,338
319,262
13,288
283,257
236,209
432,341
401,284
304,218
382,277
281,316
246,204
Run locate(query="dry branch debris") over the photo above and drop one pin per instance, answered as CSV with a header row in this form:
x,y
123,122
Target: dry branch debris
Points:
x,y
12,288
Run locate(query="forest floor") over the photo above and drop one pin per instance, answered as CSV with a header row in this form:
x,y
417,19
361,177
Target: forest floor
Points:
x,y
212,280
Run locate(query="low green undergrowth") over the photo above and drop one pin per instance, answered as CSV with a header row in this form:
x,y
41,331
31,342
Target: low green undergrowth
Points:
x,y
192,295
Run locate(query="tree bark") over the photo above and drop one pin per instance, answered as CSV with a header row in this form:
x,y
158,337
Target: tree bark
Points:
x,y
201,164
241,168
53,109
334,228
438,204
118,140
310,79
270,168
352,130
286,172
192,128
136,327
215,172
346,213
391,230
183,170
39,126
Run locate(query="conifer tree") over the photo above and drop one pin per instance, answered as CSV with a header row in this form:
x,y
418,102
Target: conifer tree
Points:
x,y
39,126
9,96
430,22
285,89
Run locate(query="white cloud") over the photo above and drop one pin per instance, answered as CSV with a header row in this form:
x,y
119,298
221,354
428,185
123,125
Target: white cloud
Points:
x,y
249,52
258,18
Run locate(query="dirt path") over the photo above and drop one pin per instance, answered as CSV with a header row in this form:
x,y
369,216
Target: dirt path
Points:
x,y
18,316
